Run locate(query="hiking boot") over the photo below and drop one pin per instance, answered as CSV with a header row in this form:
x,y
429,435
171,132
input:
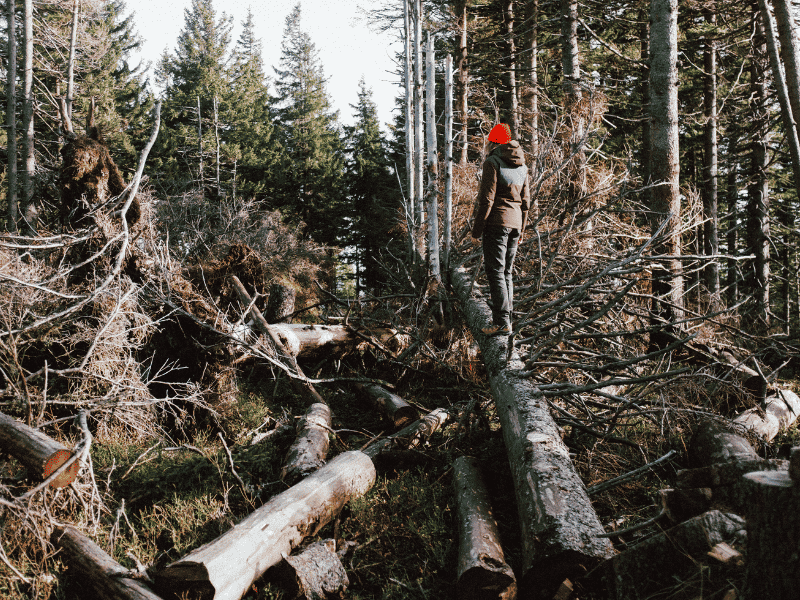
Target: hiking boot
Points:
x,y
496,330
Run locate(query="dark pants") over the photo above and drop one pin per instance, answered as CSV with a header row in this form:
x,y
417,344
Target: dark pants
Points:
x,y
499,250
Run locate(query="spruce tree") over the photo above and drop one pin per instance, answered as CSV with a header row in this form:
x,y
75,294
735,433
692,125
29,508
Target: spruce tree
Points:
x,y
310,176
373,194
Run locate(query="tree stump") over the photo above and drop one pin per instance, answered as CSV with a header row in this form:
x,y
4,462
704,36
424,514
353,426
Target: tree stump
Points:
x,y
482,573
773,536
280,304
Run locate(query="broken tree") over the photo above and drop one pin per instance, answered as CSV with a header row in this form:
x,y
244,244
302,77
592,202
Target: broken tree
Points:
x,y
560,528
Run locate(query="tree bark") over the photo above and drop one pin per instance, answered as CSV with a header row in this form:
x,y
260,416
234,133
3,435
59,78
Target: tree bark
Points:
x,y
318,571
463,82
303,341
308,452
665,195
225,568
559,525
732,276
73,40
773,536
532,36
399,412
646,151
11,116
710,228
758,229
419,155
107,579
511,103
409,130
30,212
482,573
280,304
432,169
448,161
40,454
790,53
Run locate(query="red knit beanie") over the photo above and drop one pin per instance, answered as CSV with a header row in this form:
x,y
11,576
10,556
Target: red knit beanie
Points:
x,y
500,134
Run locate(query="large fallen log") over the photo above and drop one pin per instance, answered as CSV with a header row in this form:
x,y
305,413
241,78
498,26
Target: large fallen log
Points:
x,y
482,572
226,567
780,411
397,410
560,527
308,452
40,454
105,577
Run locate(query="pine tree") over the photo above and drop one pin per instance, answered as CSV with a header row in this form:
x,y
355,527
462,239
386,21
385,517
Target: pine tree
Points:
x,y
311,170
372,192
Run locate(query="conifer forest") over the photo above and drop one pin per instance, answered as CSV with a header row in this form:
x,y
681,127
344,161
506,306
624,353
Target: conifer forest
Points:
x,y
241,334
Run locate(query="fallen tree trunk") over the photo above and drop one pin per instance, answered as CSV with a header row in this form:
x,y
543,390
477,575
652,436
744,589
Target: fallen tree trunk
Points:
x,y
107,579
300,384
412,436
398,411
41,454
304,341
559,525
482,573
779,412
226,567
308,452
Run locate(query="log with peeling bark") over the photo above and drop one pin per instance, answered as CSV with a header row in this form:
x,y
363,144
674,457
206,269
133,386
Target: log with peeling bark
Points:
x,y
560,527
773,536
780,411
300,384
98,573
652,565
397,410
280,304
306,341
318,571
40,454
226,567
482,573
308,452
412,436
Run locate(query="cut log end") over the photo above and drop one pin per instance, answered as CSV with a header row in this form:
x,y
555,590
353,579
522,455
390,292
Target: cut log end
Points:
x,y
481,584
55,461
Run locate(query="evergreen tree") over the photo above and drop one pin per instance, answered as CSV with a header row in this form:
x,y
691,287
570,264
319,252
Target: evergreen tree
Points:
x,y
309,186
372,191
251,141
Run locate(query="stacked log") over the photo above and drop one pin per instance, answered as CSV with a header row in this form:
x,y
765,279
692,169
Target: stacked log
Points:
x,y
560,529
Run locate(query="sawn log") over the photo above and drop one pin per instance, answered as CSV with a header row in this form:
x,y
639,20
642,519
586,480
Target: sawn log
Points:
x,y
307,453
559,524
225,568
397,410
105,577
41,454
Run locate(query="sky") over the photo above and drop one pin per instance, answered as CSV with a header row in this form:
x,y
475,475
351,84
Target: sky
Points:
x,y
348,48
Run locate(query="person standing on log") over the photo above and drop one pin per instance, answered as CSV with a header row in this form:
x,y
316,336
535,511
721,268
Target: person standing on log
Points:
x,y
499,218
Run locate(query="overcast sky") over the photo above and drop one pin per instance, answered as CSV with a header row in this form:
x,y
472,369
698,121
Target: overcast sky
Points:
x,y
347,47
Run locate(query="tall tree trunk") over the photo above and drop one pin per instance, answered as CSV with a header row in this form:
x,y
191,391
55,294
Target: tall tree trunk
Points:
x,y
216,138
644,56
665,195
11,116
511,103
789,52
711,227
463,83
29,211
787,221
532,29
448,159
732,189
758,191
419,155
409,107
200,143
432,192
571,66
71,65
